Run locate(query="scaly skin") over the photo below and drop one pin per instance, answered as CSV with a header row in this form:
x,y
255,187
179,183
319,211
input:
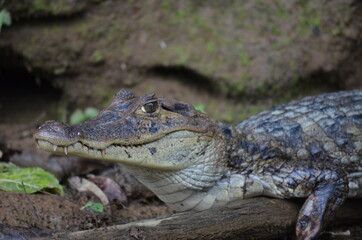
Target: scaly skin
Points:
x,y
310,148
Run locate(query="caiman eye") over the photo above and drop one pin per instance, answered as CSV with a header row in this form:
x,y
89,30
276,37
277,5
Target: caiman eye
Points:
x,y
150,107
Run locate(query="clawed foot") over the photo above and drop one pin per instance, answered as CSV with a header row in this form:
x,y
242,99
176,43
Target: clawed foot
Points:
x,y
330,192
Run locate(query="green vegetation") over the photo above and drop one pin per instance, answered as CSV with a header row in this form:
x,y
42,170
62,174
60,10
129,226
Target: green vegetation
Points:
x,y
308,19
200,107
39,5
182,56
221,41
97,207
166,5
5,18
244,58
54,7
28,180
80,115
211,46
229,117
97,58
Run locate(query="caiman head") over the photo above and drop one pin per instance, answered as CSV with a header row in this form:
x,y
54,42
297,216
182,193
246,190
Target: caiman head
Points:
x,y
141,131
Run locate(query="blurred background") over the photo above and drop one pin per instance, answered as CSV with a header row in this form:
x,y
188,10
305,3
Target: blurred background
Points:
x,y
230,58
65,59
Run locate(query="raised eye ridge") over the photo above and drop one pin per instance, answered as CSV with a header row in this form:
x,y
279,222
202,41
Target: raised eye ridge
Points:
x,y
150,107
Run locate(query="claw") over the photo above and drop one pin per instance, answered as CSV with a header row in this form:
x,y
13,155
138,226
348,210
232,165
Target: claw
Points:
x,y
102,153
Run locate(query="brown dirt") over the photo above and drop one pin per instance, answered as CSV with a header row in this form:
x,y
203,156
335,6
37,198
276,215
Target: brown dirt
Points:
x,y
53,62
48,211
45,211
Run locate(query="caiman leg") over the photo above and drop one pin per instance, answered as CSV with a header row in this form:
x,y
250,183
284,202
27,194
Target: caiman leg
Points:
x,y
329,193
326,188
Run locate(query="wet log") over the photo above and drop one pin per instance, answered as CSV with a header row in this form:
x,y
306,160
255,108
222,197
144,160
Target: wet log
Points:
x,y
258,218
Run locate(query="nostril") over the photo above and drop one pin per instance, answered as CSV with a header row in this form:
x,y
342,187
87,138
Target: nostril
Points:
x,y
58,133
80,135
51,122
52,125
50,128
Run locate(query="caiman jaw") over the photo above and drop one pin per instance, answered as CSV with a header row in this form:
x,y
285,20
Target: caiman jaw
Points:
x,y
144,131
48,146
175,150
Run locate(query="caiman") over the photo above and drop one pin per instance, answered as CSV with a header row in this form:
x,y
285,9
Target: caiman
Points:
x,y
311,148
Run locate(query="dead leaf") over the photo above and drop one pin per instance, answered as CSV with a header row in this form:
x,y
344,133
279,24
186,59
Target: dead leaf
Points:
x,y
84,185
110,188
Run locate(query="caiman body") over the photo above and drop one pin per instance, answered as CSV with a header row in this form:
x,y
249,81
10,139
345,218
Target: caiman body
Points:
x,y
311,148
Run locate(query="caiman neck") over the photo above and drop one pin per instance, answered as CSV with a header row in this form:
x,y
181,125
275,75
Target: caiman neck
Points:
x,y
187,188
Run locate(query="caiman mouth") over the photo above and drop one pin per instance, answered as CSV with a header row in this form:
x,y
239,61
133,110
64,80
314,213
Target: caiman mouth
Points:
x,y
47,145
172,151
144,131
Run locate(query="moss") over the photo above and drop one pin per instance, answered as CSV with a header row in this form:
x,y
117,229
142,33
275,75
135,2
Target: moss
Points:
x,y
244,59
166,5
246,77
125,52
211,46
103,95
193,31
97,58
99,78
309,19
276,29
237,89
282,11
224,89
228,117
261,90
49,8
220,40
82,27
200,22
336,31
180,54
39,5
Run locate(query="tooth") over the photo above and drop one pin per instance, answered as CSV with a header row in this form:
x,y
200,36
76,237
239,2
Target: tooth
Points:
x,y
55,147
102,152
66,150
37,144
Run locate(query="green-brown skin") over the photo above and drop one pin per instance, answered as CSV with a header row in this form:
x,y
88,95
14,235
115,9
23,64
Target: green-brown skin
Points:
x,y
307,149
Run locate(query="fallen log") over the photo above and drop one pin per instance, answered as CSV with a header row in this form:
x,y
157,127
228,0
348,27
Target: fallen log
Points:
x,y
258,218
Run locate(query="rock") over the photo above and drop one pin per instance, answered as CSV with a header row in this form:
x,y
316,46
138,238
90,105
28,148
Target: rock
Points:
x,y
44,9
243,48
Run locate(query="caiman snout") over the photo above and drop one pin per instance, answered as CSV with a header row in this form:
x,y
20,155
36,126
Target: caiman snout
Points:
x,y
56,132
53,126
